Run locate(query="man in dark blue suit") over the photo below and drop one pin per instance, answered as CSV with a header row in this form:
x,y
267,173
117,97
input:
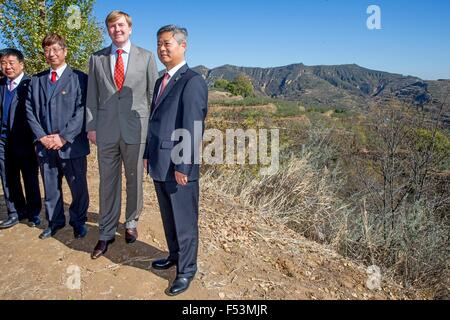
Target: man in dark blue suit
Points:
x,y
17,154
179,105
56,109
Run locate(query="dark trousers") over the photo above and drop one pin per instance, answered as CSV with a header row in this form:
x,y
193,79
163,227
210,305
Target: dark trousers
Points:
x,y
12,165
53,168
179,212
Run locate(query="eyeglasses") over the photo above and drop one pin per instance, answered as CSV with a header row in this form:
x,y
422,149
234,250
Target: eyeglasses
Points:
x,y
10,63
55,50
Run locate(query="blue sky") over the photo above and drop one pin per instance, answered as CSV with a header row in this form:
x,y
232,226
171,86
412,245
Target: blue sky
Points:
x,y
414,39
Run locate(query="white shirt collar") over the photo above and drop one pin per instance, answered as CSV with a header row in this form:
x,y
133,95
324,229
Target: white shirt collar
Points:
x,y
126,48
59,71
175,69
16,81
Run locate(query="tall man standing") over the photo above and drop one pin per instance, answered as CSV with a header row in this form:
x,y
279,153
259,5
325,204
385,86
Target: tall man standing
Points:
x,y
56,111
17,154
179,107
121,82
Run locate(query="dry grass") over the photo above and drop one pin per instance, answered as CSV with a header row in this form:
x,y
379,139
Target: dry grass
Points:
x,y
304,195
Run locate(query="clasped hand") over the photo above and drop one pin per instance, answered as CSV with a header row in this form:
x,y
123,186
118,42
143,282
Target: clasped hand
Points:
x,y
53,142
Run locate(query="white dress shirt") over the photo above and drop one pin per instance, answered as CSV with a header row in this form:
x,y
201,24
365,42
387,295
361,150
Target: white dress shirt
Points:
x,y
171,73
59,72
15,82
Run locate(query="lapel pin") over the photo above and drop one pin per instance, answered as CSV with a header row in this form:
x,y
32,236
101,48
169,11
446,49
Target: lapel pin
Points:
x,y
63,92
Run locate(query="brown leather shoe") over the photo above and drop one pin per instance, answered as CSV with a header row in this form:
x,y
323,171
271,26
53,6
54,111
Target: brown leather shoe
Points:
x,y
101,248
131,235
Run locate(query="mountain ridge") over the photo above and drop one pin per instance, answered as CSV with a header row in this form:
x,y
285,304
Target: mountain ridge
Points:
x,y
347,86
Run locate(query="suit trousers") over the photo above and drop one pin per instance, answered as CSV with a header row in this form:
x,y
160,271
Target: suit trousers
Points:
x,y
53,168
179,213
11,166
110,159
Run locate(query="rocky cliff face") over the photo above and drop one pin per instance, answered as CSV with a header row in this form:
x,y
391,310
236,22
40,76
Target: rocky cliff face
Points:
x,y
341,86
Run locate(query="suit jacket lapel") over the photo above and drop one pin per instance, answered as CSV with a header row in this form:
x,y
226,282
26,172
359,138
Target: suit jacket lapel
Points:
x,y
106,62
172,82
132,56
43,85
61,83
157,85
12,110
14,102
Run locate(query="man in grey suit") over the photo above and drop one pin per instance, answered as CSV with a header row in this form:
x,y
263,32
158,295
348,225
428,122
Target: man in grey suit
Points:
x,y
120,90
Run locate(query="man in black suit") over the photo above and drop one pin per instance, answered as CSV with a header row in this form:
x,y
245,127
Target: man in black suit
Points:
x,y
56,110
17,154
179,105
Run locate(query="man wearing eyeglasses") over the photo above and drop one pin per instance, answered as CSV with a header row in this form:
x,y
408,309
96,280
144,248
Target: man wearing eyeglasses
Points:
x,y
56,110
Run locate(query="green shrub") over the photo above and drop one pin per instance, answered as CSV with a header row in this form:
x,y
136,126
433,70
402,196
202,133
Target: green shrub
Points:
x,y
221,84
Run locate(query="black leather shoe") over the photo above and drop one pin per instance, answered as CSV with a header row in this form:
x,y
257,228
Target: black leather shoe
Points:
x,y
49,232
80,232
34,222
163,264
101,248
11,222
181,284
131,235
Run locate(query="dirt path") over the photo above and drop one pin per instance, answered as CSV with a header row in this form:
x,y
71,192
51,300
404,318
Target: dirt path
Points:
x,y
241,256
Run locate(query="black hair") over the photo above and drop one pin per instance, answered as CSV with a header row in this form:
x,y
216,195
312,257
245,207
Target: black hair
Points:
x,y
12,52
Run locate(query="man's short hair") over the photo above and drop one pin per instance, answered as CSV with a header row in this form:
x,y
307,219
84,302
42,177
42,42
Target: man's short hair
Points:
x,y
12,52
180,34
54,38
116,15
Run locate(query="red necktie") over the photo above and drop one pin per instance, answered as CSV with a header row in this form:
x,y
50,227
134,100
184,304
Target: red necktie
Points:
x,y
53,76
163,86
119,72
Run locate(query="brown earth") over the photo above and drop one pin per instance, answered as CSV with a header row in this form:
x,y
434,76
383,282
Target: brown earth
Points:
x,y
271,108
242,255
215,95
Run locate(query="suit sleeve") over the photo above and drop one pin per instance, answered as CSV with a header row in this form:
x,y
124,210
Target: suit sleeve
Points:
x,y
32,117
152,76
195,108
146,151
92,98
76,124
